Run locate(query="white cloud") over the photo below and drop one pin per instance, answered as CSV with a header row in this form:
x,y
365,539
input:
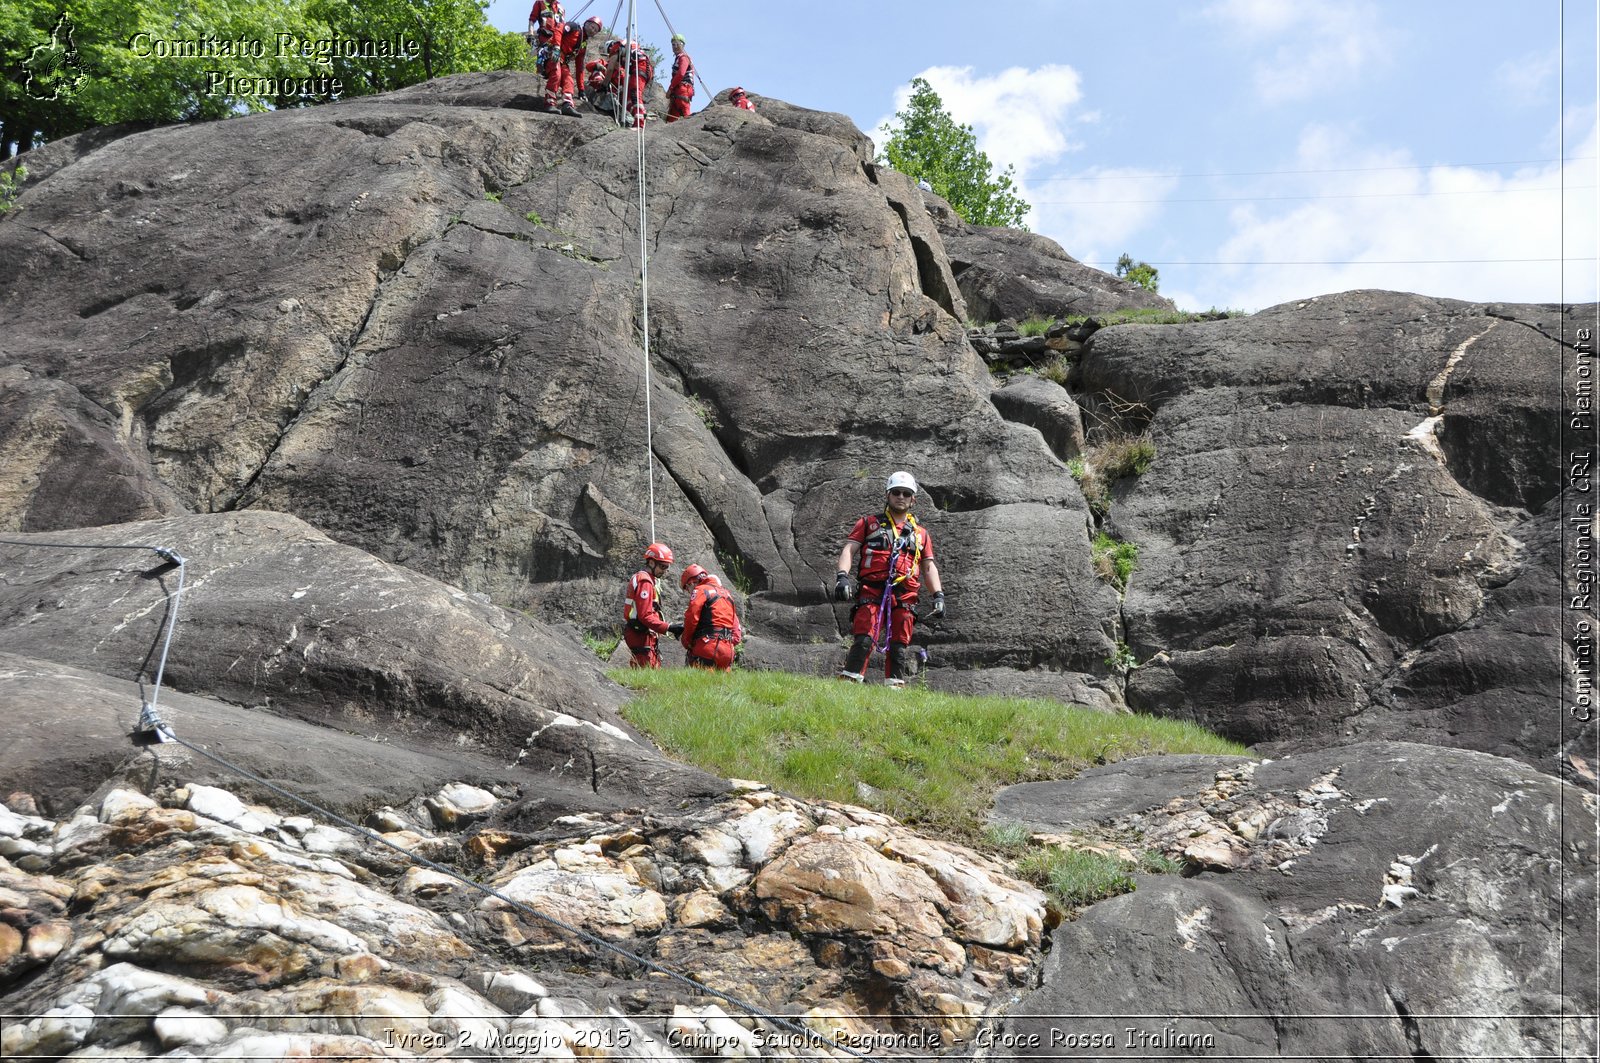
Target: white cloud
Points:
x,y
1320,47
1020,116
1530,79
1450,231
1095,214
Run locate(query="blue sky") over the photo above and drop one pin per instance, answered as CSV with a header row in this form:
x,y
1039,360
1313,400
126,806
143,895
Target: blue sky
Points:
x,y
1255,151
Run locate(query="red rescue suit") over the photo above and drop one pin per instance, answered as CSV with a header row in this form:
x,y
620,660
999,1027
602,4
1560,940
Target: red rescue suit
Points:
x,y
632,94
680,91
739,99
544,18
564,64
642,621
890,554
711,631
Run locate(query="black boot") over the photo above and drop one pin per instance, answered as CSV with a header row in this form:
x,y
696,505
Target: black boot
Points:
x,y
855,663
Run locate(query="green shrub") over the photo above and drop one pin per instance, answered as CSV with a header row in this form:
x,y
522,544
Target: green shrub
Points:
x,y
1009,837
1122,658
1035,326
533,216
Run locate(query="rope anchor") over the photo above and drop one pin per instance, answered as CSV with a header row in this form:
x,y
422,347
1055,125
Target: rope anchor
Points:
x,y
151,730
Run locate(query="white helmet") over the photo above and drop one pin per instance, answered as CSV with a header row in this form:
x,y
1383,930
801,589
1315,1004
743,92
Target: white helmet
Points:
x,y
901,479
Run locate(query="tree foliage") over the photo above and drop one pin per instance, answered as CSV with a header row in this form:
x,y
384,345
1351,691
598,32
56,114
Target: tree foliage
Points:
x,y
928,144
1143,274
69,67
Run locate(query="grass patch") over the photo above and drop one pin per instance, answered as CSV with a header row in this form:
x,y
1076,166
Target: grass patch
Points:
x,y
1058,369
1035,326
533,217
1114,560
1105,463
1076,878
1150,315
602,646
934,760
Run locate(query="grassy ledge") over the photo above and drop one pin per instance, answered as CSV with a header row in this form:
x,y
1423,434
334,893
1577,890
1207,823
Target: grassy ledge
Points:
x,y
931,760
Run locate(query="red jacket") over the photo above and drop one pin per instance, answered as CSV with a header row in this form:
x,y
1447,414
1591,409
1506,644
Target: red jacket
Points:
x,y
642,611
711,628
908,544
682,85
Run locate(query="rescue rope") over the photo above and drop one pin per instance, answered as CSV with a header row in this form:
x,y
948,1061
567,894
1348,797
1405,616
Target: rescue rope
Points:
x,y
164,733
633,74
168,555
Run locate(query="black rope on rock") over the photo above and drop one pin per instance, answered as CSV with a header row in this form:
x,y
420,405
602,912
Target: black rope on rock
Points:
x,y
149,730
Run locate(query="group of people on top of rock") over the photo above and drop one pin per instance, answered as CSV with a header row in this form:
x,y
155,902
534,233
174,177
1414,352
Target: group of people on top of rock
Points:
x,y
889,555
615,84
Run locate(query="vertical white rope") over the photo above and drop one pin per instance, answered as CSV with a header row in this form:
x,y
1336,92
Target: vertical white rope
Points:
x,y
633,72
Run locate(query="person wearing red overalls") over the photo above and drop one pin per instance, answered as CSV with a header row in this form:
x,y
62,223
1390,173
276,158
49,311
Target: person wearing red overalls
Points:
x,y
680,90
891,555
641,614
710,630
629,57
564,64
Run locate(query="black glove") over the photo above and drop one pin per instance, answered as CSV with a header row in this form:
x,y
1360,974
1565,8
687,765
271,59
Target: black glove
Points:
x,y
675,629
841,587
938,605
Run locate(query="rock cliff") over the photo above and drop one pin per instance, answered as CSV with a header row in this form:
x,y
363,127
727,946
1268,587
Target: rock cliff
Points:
x,y
376,371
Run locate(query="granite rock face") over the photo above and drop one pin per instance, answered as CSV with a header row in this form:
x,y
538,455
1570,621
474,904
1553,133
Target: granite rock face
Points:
x,y
424,338
1376,899
1314,555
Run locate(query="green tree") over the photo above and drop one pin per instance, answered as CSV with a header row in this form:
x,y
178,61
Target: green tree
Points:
x,y
930,145
451,37
1143,274
112,61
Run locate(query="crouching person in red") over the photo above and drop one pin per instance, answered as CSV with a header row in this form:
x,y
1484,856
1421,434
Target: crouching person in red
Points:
x,y
891,554
710,630
642,621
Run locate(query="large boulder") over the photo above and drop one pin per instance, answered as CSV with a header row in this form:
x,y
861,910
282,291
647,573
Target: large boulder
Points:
x,y
1014,274
277,618
1321,551
426,340
1378,900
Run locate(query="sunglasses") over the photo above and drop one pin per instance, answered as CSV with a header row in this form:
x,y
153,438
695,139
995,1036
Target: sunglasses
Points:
x,y
901,492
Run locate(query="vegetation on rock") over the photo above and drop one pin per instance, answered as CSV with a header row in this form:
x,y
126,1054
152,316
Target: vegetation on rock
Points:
x,y
930,145
931,760
1143,274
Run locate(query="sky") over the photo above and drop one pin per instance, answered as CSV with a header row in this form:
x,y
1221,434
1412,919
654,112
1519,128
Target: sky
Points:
x,y
1255,151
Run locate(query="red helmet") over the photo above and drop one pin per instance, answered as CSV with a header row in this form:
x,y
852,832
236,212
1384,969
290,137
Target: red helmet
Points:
x,y
592,25
658,552
692,575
